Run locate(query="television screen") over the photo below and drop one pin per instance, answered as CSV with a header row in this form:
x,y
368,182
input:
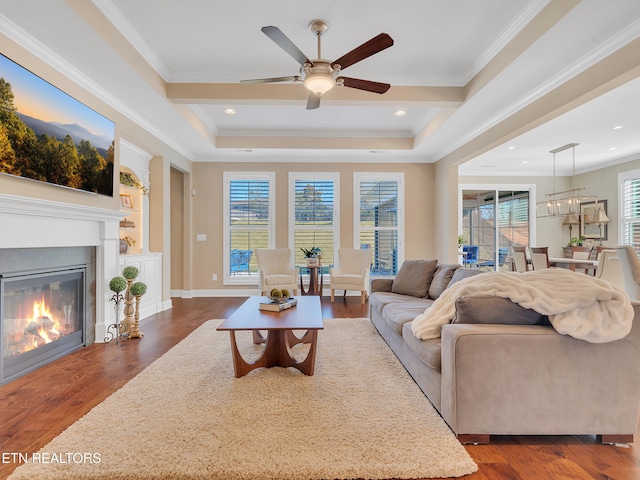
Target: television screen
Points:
x,y
49,136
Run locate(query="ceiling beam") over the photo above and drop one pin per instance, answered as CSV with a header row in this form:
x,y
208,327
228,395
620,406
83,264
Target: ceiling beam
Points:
x,y
314,143
220,93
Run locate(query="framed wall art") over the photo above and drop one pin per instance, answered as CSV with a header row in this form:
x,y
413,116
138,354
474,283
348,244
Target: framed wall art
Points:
x,y
126,201
588,218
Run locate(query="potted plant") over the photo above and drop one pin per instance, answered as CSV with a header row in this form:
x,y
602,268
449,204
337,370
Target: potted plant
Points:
x,y
576,241
125,243
461,242
311,254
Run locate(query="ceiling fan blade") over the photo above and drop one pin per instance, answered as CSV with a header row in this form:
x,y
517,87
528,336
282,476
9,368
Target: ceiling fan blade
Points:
x,y
272,80
373,46
275,34
313,101
368,85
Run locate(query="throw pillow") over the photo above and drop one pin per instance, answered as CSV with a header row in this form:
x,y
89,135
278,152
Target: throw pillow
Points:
x,y
441,279
414,277
462,273
496,310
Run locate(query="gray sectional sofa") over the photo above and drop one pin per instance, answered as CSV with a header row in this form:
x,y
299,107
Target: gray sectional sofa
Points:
x,y
500,369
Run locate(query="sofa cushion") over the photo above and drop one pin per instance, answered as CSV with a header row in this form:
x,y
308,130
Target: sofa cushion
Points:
x,y
441,278
397,314
498,310
414,277
462,273
428,351
379,300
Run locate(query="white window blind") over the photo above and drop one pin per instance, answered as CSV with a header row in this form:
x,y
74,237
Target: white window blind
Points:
x,y
630,209
314,202
378,215
248,224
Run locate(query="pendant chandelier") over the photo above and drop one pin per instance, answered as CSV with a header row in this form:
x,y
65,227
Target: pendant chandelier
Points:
x,y
566,202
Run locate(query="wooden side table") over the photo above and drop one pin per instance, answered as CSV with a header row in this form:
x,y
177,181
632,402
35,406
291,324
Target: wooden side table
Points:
x,y
315,286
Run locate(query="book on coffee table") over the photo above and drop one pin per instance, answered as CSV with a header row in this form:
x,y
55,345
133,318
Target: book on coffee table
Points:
x,y
271,306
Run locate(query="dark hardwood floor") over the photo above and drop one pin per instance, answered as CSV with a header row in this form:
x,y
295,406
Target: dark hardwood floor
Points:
x,y
37,407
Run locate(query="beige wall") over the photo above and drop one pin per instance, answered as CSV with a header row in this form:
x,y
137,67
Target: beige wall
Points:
x,y
208,215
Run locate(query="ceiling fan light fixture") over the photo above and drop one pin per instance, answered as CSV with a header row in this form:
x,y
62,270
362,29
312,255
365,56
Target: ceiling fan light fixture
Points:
x,y
319,83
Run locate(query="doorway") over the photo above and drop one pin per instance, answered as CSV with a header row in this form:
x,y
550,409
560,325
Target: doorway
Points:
x,y
492,221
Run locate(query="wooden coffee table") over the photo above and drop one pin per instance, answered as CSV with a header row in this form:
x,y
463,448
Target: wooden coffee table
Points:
x,y
307,315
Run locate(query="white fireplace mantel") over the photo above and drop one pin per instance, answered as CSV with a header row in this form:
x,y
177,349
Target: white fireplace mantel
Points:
x,y
27,222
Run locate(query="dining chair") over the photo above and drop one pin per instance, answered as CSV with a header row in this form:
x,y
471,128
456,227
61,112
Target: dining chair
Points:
x,y
610,268
630,265
275,270
352,272
582,253
519,255
539,257
470,254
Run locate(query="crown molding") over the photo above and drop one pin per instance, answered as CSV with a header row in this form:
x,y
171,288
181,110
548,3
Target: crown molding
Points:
x,y
119,21
42,52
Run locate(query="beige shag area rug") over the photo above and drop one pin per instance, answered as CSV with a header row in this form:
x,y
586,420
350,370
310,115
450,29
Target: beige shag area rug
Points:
x,y
187,417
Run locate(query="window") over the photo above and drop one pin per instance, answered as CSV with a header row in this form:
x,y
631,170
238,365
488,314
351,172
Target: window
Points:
x,y
314,214
629,192
379,219
493,220
249,219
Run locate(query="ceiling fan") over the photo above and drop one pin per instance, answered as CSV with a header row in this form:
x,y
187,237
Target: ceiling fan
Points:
x,y
319,75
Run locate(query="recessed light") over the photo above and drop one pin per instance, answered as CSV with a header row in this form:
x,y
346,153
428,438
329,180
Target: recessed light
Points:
x,y
612,149
511,148
400,113
525,161
618,127
229,111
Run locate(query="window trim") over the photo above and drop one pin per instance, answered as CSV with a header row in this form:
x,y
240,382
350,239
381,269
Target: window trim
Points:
x,y
622,176
314,176
228,177
531,188
358,178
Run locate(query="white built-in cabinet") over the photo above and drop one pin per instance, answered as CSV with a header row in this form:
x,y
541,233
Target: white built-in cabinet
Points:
x,y
134,205
149,266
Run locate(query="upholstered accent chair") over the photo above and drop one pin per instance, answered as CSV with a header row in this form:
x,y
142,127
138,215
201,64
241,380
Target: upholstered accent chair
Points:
x,y
609,268
630,265
276,270
352,272
519,255
539,257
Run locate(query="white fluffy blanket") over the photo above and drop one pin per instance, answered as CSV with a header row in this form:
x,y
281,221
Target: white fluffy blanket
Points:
x,y
578,305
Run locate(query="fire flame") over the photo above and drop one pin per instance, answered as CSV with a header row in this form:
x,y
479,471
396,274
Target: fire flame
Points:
x,y
47,327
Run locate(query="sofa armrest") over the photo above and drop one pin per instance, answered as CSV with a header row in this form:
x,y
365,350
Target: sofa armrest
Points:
x,y
530,380
381,284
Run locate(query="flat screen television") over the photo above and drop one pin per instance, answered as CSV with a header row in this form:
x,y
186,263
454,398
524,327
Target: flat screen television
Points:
x,y
49,136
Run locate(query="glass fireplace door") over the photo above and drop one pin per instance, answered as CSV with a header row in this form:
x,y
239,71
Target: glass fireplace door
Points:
x,y
41,318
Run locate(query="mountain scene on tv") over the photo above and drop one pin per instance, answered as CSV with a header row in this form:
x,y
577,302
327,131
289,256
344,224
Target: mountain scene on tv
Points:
x,y
49,136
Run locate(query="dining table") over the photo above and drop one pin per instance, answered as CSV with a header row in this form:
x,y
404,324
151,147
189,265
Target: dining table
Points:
x,y
574,263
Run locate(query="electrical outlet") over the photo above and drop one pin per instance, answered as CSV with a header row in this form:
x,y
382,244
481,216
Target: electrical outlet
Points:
x,y
214,277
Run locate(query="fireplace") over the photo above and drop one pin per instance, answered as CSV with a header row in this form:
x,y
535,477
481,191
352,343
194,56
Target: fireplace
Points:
x,y
42,317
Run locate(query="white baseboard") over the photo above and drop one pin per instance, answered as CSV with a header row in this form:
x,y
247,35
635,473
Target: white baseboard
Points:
x,y
242,293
